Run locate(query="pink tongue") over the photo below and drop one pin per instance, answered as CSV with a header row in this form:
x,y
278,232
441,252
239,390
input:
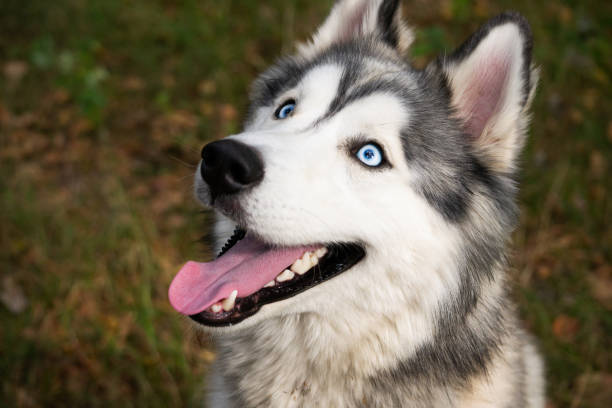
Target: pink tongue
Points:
x,y
246,267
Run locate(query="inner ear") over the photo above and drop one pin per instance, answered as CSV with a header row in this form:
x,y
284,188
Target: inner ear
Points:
x,y
351,27
353,19
490,79
481,85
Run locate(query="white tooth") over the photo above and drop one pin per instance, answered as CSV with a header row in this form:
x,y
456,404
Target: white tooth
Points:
x,y
306,256
216,308
301,266
269,284
228,304
285,276
320,252
314,259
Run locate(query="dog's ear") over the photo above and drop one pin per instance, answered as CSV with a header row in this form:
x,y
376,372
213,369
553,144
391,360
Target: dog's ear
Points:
x,y
492,82
350,19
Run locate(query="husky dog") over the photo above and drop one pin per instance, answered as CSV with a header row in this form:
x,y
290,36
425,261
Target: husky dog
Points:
x,y
371,203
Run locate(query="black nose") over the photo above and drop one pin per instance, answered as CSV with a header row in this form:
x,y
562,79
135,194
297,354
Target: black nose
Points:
x,y
229,166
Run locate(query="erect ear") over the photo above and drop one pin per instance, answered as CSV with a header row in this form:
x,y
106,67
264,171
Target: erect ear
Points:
x,y
492,82
350,19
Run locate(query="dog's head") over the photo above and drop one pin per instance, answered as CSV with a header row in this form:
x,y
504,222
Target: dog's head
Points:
x,y
360,182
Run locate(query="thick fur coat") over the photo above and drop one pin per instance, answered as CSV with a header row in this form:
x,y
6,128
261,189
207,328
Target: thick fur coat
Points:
x,y
424,319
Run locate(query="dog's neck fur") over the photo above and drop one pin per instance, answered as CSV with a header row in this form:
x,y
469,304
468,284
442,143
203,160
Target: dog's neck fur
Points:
x,y
308,358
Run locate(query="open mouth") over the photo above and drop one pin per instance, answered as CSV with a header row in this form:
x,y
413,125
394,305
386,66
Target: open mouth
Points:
x,y
248,274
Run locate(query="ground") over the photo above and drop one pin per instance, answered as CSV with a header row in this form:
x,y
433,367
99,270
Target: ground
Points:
x,y
104,107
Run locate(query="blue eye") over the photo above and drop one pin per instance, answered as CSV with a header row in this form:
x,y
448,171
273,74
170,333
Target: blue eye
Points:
x,y
285,110
370,155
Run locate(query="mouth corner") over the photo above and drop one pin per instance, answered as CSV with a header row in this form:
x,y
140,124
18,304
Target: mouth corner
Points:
x,y
330,260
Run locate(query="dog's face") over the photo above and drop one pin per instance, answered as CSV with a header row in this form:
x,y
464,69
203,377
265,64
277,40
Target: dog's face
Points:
x,y
360,183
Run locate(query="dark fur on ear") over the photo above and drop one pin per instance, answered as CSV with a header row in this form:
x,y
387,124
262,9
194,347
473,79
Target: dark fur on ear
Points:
x,y
388,24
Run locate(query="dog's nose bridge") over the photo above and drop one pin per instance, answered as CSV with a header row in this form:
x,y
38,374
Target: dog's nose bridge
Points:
x,y
289,148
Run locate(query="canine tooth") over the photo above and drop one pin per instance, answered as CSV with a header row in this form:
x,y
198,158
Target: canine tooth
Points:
x,y
230,301
285,276
269,284
216,308
321,252
301,266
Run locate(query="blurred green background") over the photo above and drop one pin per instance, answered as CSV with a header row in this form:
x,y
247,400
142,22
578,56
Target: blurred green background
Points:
x,y
104,106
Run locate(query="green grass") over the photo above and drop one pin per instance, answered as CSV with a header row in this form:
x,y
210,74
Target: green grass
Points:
x,y
104,105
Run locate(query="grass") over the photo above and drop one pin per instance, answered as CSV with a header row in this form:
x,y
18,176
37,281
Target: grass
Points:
x,y
104,106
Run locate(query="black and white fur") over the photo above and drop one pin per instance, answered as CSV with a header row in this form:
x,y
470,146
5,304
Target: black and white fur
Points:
x,y
424,320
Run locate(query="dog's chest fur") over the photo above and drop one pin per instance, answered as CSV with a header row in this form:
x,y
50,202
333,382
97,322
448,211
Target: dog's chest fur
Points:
x,y
301,361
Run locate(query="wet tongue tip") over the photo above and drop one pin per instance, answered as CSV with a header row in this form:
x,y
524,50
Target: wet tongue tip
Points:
x,y
191,291
180,288
195,286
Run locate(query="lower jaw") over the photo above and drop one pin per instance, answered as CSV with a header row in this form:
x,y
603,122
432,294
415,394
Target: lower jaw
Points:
x,y
339,258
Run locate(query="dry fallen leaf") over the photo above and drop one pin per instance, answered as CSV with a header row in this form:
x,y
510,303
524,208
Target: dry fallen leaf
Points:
x,y
544,271
5,115
601,285
446,9
227,112
565,327
598,193
565,14
597,164
175,221
576,116
207,109
133,83
207,87
168,81
14,71
590,98
59,96
482,8
80,126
